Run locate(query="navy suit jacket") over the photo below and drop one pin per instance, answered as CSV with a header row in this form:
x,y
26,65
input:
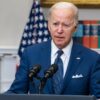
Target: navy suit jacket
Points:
x,y
82,76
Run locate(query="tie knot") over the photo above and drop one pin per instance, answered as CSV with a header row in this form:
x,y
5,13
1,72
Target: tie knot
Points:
x,y
59,52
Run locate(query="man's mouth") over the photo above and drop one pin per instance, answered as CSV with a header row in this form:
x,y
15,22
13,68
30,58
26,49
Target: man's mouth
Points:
x,y
58,37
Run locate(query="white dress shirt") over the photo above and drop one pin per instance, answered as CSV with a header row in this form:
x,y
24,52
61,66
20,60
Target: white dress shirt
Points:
x,y
65,56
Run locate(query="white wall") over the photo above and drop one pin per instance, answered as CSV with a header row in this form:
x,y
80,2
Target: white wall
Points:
x,y
13,17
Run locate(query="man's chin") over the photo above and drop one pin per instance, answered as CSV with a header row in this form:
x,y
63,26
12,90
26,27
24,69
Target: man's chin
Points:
x,y
59,45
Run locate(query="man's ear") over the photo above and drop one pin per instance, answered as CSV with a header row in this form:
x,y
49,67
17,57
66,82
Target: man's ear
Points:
x,y
75,26
48,26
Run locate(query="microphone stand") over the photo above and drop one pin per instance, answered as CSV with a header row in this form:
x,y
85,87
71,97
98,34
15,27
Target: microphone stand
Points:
x,y
49,73
42,84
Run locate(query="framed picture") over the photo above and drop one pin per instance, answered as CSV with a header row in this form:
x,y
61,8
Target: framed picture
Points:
x,y
79,3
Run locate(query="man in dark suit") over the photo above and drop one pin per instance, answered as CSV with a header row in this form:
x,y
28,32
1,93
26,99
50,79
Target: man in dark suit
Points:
x,y
81,66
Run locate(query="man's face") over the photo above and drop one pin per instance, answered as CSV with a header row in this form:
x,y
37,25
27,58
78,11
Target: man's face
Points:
x,y
61,26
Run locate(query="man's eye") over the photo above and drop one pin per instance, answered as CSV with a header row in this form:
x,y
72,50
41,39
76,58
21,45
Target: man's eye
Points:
x,y
67,25
55,24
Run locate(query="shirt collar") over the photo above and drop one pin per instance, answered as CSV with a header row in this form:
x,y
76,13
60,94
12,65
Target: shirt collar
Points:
x,y
66,50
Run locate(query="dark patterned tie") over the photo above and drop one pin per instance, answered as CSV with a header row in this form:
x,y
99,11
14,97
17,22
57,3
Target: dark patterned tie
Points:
x,y
58,77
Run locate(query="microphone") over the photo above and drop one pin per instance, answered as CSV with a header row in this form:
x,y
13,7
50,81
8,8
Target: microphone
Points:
x,y
33,72
51,71
48,74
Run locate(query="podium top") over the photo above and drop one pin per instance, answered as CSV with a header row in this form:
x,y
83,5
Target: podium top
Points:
x,y
44,97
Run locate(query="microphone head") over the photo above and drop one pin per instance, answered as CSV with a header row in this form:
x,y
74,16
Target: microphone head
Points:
x,y
33,72
53,68
51,71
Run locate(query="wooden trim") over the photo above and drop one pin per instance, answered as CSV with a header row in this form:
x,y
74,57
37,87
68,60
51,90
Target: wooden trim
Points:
x,y
79,3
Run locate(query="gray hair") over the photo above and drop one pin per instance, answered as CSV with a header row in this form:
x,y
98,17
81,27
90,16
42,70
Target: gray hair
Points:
x,y
66,5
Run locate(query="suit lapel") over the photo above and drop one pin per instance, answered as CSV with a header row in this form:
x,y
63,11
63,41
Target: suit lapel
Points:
x,y
74,61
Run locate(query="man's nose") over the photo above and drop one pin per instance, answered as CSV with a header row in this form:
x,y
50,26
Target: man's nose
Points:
x,y
60,29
